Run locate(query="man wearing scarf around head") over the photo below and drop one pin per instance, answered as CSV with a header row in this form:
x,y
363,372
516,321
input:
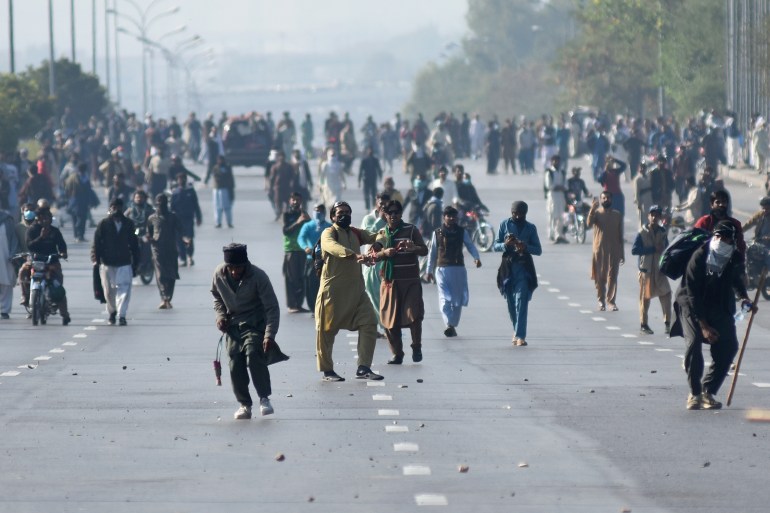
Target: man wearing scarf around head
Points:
x,y
401,303
163,229
704,313
517,239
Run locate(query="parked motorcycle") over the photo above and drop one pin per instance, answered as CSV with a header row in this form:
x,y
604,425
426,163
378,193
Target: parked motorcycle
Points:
x,y
575,218
756,255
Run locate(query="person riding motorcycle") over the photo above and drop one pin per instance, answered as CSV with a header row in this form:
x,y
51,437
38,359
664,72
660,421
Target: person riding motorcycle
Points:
x,y
760,221
44,239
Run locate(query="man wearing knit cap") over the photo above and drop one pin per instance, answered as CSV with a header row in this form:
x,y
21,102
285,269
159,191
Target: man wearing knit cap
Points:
x,y
248,314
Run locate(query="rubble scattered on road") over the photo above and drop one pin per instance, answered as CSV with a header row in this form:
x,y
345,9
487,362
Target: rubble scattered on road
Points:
x,y
463,469
523,464
280,457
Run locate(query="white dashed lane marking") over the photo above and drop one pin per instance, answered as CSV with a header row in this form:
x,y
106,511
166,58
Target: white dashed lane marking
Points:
x,y
545,282
431,499
69,344
643,343
760,385
664,350
628,335
351,335
586,311
406,447
574,305
375,384
612,328
98,320
388,413
396,429
56,350
416,470
42,358
80,335
553,290
563,298
382,397
598,319
90,328
10,374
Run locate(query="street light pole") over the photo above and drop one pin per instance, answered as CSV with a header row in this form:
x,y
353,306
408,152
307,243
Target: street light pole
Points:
x,y
118,94
10,33
107,45
93,37
51,71
72,27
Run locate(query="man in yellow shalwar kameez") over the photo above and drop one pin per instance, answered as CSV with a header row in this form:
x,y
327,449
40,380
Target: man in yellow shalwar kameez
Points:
x,y
342,302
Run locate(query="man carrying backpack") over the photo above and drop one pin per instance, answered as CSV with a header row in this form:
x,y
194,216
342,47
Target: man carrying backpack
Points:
x,y
648,246
704,313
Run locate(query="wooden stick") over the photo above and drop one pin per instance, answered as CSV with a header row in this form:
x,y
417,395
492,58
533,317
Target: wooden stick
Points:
x,y
746,337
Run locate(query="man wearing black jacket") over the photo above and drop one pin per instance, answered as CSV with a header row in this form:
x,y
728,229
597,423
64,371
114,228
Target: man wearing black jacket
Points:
x,y
116,252
704,313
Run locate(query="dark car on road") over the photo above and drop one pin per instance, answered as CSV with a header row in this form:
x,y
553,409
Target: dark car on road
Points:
x,y
246,143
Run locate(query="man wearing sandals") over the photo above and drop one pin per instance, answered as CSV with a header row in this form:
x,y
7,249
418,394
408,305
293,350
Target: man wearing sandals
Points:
x,y
607,251
342,302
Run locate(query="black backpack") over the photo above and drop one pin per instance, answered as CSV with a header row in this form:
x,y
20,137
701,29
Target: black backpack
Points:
x,y
318,261
674,260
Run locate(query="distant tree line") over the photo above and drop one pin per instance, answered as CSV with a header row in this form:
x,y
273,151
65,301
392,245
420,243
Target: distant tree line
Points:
x,y
535,56
25,105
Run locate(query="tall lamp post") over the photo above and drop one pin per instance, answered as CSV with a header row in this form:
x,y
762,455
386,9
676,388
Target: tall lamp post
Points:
x,y
10,34
143,24
51,71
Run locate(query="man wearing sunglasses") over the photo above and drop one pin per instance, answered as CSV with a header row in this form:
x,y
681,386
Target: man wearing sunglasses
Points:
x,y
401,304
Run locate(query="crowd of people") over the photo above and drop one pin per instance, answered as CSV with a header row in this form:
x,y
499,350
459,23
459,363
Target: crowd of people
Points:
x,y
370,279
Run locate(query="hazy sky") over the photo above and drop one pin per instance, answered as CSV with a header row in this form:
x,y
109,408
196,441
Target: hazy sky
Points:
x,y
245,25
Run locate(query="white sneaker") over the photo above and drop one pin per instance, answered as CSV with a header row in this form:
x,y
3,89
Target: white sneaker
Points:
x,y
265,408
243,413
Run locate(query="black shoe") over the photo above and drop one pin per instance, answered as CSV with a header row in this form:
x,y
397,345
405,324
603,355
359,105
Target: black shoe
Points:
x,y
4,316
668,328
367,373
396,360
646,330
416,355
122,321
113,317
65,320
450,332
217,226
332,376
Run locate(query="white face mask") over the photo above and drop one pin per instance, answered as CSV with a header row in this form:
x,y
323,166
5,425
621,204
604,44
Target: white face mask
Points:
x,y
721,248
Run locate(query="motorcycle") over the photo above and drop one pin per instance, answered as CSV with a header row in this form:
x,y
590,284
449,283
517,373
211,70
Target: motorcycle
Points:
x,y
756,255
674,225
575,218
145,269
482,234
44,292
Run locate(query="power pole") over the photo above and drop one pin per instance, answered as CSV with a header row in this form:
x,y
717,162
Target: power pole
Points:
x,y
107,46
51,63
93,37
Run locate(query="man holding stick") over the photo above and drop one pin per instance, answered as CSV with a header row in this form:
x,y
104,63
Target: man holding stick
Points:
x,y
704,313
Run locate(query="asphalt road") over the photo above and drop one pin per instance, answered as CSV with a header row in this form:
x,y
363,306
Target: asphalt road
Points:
x,y
589,417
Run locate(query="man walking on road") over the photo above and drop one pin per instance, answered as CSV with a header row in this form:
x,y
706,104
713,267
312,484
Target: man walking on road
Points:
x,y
401,304
163,229
184,203
648,246
116,251
516,278
294,256
607,250
248,314
447,267
307,238
555,181
370,173
342,302
704,314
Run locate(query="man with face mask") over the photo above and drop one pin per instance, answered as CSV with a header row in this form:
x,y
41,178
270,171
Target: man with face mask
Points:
x,y
294,257
704,313
44,239
308,235
342,302
516,278
720,205
648,246
248,314
116,251
184,203
447,267
607,249
416,198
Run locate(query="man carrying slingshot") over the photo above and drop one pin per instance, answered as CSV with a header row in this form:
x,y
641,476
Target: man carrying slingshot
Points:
x,y
248,314
704,313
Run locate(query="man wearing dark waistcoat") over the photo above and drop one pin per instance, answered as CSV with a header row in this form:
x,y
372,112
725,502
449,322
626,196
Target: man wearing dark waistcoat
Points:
x,y
401,303
447,267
